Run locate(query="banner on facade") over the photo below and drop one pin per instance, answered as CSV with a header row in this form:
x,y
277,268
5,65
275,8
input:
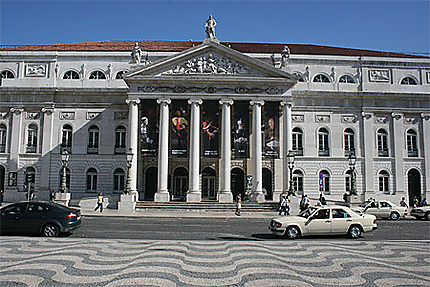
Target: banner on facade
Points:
x,y
149,128
210,128
240,138
271,129
180,128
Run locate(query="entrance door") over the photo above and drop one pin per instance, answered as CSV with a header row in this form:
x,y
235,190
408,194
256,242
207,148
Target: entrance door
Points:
x,y
151,183
414,186
237,182
267,183
208,184
180,184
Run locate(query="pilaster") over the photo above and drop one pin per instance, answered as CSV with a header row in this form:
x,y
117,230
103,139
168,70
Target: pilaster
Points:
x,y
426,152
48,122
398,139
368,140
16,137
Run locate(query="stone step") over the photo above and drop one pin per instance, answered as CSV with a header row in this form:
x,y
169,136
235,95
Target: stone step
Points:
x,y
210,206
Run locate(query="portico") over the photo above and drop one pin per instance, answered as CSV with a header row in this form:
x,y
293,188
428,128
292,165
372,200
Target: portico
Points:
x,y
204,108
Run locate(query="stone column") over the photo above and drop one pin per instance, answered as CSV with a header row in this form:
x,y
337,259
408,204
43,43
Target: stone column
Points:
x,y
194,194
162,194
426,153
288,141
257,148
133,126
398,146
48,122
368,140
225,195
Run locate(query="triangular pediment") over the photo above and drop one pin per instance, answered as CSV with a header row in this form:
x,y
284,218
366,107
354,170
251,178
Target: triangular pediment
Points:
x,y
210,59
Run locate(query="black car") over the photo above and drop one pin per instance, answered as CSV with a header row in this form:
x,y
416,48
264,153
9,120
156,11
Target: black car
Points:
x,y
48,219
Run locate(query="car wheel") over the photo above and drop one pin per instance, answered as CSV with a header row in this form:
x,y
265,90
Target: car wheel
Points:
x,y
50,230
427,216
292,232
394,216
354,231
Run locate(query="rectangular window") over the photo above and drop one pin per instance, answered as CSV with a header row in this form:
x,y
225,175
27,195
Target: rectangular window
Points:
x,y
91,182
298,184
382,145
118,182
349,144
298,143
383,184
323,149
411,142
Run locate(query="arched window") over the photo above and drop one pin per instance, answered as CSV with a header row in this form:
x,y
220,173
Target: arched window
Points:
x,y
411,143
3,134
31,139
348,181
384,179
320,78
92,180
323,143
349,142
346,79
6,74
71,75
120,138
408,81
297,141
382,143
118,180
324,182
120,74
29,178
60,176
93,140
66,138
97,75
298,182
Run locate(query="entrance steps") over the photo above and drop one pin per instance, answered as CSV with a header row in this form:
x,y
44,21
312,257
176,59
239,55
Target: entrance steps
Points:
x,y
207,206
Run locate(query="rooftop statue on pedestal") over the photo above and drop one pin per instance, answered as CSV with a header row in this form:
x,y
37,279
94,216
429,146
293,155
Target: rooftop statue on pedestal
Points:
x,y
136,55
210,28
285,57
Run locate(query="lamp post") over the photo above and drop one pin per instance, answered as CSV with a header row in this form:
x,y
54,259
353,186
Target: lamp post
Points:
x,y
65,157
352,161
290,162
129,159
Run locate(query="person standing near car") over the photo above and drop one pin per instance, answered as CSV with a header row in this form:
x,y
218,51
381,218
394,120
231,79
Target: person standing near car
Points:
x,y
283,205
99,202
403,202
1,197
238,204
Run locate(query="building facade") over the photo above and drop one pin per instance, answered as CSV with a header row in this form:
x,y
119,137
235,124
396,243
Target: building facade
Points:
x,y
208,120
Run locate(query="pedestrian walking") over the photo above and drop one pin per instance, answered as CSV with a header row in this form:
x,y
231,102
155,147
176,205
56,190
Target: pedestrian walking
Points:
x,y
99,202
345,197
323,201
238,204
52,195
1,197
424,202
403,202
304,203
283,205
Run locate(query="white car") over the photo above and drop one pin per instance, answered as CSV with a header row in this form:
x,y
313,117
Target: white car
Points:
x,y
421,212
383,209
324,220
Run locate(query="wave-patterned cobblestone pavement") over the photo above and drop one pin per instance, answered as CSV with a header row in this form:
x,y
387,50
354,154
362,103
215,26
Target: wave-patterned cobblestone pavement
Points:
x,y
90,262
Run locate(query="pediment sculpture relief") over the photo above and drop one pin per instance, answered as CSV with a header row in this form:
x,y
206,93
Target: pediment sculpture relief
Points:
x,y
211,64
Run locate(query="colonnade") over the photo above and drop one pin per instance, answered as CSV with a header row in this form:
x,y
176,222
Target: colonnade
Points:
x,y
194,192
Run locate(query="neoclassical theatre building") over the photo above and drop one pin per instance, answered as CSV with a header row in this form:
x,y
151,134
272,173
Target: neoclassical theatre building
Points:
x,y
208,120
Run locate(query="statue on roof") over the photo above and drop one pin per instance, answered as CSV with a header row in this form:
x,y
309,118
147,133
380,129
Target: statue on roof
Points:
x,y
136,55
285,57
210,28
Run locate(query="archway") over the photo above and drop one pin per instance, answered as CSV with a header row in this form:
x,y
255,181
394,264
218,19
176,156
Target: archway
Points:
x,y
151,183
237,182
208,184
2,177
414,185
267,183
180,184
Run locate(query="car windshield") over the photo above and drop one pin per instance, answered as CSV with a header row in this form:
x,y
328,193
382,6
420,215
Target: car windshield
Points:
x,y
306,213
364,204
358,212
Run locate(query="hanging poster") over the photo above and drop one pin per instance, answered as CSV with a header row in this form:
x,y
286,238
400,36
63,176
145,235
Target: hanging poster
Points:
x,y
149,128
240,138
271,129
210,128
179,125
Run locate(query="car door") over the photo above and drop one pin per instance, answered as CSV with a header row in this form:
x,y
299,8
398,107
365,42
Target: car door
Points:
x,y
340,221
372,208
34,217
319,222
11,217
384,209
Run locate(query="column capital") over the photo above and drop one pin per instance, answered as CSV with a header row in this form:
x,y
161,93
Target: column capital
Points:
x,y
286,103
195,101
47,111
257,103
164,101
228,102
425,116
366,115
396,116
16,111
133,102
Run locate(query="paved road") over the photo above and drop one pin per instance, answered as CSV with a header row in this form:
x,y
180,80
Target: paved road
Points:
x,y
225,229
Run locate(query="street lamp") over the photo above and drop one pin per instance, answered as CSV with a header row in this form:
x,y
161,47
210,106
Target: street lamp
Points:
x,y
129,159
352,161
290,162
65,157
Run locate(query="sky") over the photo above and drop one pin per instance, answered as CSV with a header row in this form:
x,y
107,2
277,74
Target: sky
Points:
x,y
395,26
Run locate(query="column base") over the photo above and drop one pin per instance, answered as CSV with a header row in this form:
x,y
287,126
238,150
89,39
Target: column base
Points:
x,y
225,197
63,198
194,196
127,202
162,196
257,197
